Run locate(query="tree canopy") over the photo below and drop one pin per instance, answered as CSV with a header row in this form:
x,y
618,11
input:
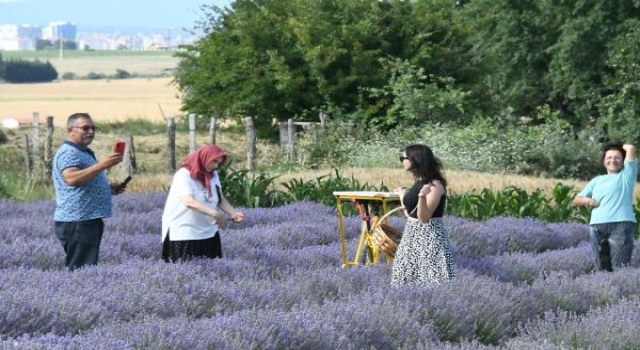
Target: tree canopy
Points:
x,y
389,62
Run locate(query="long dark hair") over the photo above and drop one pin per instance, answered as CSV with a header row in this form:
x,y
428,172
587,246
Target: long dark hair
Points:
x,y
425,167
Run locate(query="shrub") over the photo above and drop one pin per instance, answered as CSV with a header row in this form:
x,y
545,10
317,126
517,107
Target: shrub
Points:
x,y
121,74
551,149
22,71
95,76
68,76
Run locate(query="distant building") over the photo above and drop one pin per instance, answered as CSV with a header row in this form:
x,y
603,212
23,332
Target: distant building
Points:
x,y
60,30
95,42
19,37
24,38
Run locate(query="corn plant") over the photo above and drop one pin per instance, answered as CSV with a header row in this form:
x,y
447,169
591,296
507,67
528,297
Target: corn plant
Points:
x,y
516,202
251,190
322,187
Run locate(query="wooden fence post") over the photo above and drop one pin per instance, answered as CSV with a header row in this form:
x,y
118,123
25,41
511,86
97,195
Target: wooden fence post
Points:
x,y
251,142
36,162
212,131
129,162
284,134
324,118
48,151
36,135
171,145
27,156
291,128
192,132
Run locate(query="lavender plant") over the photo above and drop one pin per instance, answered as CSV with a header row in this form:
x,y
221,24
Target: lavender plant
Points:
x,y
521,284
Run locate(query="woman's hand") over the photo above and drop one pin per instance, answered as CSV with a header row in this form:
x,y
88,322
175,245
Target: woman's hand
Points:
x,y
237,217
425,190
219,220
399,191
585,202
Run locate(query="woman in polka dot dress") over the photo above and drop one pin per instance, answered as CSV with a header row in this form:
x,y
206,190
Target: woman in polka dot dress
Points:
x,y
423,256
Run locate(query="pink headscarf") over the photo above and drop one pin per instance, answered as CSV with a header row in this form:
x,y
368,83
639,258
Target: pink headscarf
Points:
x,y
197,161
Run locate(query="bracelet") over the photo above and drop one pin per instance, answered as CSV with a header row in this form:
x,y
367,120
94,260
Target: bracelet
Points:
x,y
420,195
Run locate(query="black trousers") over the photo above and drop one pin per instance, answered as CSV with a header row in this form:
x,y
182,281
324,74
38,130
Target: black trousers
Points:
x,y
81,241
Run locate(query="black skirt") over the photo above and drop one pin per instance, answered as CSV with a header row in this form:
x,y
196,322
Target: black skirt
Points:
x,y
173,251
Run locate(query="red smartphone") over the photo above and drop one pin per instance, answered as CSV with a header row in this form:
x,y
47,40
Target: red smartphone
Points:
x,y
118,147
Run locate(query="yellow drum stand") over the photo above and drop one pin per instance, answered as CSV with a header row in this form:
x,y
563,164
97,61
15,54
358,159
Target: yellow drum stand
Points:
x,y
371,206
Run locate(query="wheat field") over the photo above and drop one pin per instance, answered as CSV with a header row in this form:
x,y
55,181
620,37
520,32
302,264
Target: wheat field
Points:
x,y
105,100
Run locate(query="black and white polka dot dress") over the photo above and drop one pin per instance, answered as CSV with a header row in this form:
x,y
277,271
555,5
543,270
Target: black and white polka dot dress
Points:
x,y
424,253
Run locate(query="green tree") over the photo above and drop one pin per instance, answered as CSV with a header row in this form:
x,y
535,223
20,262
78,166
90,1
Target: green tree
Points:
x,y
244,65
22,71
293,59
1,67
620,107
575,56
509,43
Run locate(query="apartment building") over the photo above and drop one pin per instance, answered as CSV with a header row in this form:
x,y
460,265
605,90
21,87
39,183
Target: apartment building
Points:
x,y
19,37
24,37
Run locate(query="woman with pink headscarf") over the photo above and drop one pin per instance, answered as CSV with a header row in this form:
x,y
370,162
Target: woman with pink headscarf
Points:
x,y
193,215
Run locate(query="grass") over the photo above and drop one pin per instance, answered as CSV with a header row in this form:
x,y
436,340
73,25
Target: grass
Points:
x,y
81,63
150,143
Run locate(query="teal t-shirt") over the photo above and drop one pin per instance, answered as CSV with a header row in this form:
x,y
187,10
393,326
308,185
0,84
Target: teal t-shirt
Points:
x,y
614,193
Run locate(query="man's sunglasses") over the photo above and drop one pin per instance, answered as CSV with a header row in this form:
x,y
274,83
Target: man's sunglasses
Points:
x,y
86,127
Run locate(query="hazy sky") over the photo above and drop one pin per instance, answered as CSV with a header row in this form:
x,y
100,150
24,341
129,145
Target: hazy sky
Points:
x,y
162,14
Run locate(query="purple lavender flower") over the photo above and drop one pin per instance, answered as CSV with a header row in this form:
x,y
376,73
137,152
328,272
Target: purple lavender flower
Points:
x,y
521,284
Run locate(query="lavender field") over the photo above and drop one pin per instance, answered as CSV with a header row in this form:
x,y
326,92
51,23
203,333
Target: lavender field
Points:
x,y
520,285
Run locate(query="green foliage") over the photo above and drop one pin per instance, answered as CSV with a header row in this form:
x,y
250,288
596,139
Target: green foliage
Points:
x,y
621,108
95,76
293,59
578,57
121,74
68,76
139,127
322,187
251,190
54,45
516,202
319,147
417,97
14,184
549,149
1,67
22,71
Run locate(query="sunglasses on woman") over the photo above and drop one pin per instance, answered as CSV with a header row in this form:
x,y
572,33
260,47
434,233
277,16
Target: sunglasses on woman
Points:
x,y
402,158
